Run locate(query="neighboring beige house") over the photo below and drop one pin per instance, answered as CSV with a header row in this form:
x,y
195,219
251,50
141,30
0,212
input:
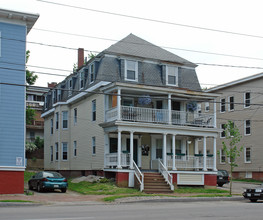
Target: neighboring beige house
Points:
x,y
241,102
128,111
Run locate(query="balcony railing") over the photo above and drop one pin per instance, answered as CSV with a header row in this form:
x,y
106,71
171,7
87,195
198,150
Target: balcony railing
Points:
x,y
151,115
112,160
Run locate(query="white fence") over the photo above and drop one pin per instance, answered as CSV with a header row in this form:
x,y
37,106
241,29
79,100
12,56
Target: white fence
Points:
x,y
190,162
112,160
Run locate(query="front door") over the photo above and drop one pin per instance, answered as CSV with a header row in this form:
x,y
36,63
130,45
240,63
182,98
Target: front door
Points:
x,y
135,149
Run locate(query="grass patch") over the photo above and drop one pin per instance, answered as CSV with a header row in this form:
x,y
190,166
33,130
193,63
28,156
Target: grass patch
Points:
x,y
199,190
113,198
211,195
15,201
87,188
247,181
28,175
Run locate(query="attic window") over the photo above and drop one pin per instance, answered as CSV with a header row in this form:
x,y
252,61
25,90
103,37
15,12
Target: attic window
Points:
x,y
172,76
131,70
92,73
70,87
81,80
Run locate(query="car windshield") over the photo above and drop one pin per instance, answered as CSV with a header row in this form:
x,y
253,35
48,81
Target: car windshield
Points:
x,y
222,172
52,174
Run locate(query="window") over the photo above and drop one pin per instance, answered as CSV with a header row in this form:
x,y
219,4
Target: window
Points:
x,y
247,99
32,135
247,127
92,73
94,110
131,70
81,80
231,103
29,97
178,148
59,95
75,115
75,148
207,107
56,149
113,145
51,153
222,105
232,126
172,76
54,95
222,156
57,120
128,102
70,87
247,155
93,145
51,126
64,151
65,120
199,108
223,133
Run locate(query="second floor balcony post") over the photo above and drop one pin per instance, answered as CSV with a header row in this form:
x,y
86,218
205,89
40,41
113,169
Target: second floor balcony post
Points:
x,y
119,104
204,154
173,151
169,109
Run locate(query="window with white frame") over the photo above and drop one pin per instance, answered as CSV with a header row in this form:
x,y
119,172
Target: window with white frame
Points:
x,y
57,120
75,148
222,105
128,102
93,145
223,132
59,95
131,70
231,103
81,80
94,110
54,96
64,119
247,155
51,126
92,72
222,156
207,107
51,153
172,76
75,116
64,151
56,151
70,86
247,127
247,99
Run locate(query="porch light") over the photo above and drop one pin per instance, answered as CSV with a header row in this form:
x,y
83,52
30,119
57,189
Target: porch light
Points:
x,y
189,142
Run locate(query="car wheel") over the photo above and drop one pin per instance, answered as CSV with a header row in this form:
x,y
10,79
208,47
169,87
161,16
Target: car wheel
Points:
x,y
64,190
39,189
253,200
220,184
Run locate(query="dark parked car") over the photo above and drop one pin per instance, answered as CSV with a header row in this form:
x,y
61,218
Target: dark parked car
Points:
x,y
48,180
254,194
222,177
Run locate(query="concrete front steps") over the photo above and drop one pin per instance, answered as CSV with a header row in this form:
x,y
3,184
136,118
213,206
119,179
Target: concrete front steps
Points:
x,y
155,183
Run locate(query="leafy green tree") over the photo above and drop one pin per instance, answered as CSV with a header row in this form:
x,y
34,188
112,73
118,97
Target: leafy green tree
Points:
x,y
231,148
39,142
30,80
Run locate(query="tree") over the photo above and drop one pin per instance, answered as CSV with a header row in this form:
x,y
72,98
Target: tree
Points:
x,y
30,80
231,148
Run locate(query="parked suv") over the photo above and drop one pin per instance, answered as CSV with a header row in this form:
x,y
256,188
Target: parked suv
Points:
x,y
222,177
254,194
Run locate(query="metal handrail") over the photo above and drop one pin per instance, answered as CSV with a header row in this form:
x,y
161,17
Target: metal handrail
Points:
x,y
139,176
167,176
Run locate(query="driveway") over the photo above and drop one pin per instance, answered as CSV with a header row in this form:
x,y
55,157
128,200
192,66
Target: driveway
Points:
x,y
238,187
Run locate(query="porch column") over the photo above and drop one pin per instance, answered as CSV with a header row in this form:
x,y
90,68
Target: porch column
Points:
x,y
119,104
214,155
169,109
215,113
164,150
131,150
173,149
196,146
204,154
196,160
106,148
119,151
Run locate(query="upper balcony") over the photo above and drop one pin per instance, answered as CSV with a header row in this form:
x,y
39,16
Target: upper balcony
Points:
x,y
161,116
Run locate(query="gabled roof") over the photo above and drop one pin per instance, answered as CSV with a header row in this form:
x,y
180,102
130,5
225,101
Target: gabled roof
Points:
x,y
235,82
137,47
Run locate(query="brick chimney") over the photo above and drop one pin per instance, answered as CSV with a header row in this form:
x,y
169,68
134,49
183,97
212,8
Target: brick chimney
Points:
x,y
80,57
51,85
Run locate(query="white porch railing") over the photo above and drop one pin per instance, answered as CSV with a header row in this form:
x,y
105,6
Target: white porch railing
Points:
x,y
152,115
112,160
139,175
190,162
167,176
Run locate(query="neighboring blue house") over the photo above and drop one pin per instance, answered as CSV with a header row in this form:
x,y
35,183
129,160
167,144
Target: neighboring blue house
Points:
x,y
14,27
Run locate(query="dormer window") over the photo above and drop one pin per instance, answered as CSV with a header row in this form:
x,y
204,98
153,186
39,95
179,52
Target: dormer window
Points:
x,y
172,76
81,80
131,70
70,87
92,73
59,95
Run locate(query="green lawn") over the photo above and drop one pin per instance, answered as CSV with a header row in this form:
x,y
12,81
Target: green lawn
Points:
x,y
187,190
27,175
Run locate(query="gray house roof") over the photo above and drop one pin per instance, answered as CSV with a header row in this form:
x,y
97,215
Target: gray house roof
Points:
x,y
135,46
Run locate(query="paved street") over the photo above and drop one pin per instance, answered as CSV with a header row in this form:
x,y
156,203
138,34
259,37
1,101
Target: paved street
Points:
x,y
185,210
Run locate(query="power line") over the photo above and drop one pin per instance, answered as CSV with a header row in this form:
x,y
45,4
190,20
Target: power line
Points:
x,y
152,20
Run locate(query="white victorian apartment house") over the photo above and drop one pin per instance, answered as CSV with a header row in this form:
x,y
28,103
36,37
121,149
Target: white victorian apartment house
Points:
x,y
130,110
